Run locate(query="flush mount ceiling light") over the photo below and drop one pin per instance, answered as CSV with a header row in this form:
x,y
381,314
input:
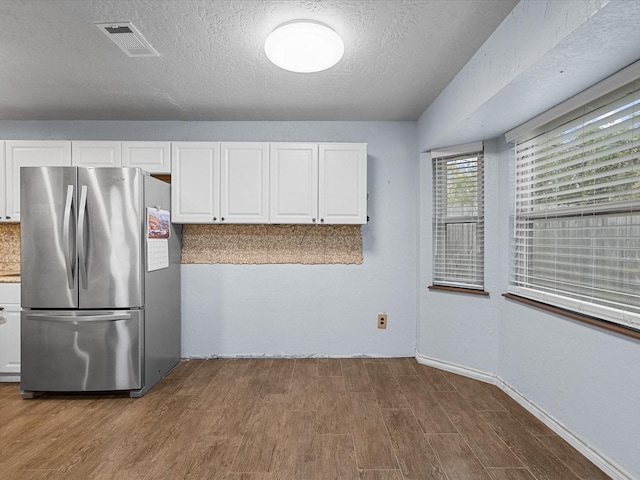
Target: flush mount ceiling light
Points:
x,y
304,46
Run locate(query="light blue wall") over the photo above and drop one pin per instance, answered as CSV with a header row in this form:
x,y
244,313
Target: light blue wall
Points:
x,y
463,329
581,376
580,379
230,310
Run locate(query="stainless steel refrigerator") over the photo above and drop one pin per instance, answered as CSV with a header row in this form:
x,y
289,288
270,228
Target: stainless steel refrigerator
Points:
x,y
100,290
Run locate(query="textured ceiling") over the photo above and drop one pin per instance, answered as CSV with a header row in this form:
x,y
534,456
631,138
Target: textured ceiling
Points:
x,y
399,55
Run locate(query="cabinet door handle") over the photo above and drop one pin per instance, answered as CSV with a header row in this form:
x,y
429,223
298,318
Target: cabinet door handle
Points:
x,y
215,218
313,220
322,220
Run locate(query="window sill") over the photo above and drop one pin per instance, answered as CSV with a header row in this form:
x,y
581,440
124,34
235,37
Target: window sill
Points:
x,y
472,291
596,322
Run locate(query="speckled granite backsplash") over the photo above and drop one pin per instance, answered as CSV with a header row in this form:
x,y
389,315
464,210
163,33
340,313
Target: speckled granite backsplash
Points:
x,y
9,247
240,244
271,244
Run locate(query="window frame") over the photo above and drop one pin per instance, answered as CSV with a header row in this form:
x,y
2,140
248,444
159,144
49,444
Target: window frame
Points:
x,y
597,308
441,219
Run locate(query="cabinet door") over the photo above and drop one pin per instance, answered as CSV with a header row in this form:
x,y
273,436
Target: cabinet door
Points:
x,y
154,157
30,154
244,187
3,184
195,180
293,183
96,154
9,341
342,193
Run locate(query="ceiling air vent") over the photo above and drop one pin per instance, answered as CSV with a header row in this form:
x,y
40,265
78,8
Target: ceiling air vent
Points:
x,y
128,39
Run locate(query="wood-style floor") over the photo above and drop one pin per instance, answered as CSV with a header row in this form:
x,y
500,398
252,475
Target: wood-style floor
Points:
x,y
285,419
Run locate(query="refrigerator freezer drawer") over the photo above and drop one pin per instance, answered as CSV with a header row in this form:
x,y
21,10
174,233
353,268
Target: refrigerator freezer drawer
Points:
x,y
81,351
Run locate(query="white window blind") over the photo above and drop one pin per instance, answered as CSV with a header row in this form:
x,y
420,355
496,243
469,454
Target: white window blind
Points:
x,y
458,216
576,241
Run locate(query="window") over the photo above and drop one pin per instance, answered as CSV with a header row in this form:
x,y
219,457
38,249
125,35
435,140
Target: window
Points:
x,y
576,241
458,216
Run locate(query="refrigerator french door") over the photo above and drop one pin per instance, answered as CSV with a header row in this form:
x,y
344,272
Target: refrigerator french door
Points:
x,y
83,242
83,238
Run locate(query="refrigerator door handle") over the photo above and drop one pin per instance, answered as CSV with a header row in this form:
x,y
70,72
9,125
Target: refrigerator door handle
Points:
x,y
79,318
69,256
82,260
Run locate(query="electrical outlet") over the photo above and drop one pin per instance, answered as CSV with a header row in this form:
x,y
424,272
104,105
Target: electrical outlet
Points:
x,y
382,320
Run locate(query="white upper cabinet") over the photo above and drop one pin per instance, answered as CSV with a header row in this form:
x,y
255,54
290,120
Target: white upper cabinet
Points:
x,y
342,194
254,182
244,182
195,180
154,157
96,154
217,182
24,153
293,183
3,184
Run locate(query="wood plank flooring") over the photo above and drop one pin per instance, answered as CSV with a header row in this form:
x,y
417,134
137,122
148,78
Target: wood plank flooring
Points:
x,y
286,419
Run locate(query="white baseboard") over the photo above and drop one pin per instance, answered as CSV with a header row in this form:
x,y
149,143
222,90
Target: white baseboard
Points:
x,y
600,460
258,356
459,369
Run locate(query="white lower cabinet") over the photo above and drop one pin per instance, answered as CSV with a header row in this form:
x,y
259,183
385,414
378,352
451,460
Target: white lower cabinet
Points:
x,y
10,332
